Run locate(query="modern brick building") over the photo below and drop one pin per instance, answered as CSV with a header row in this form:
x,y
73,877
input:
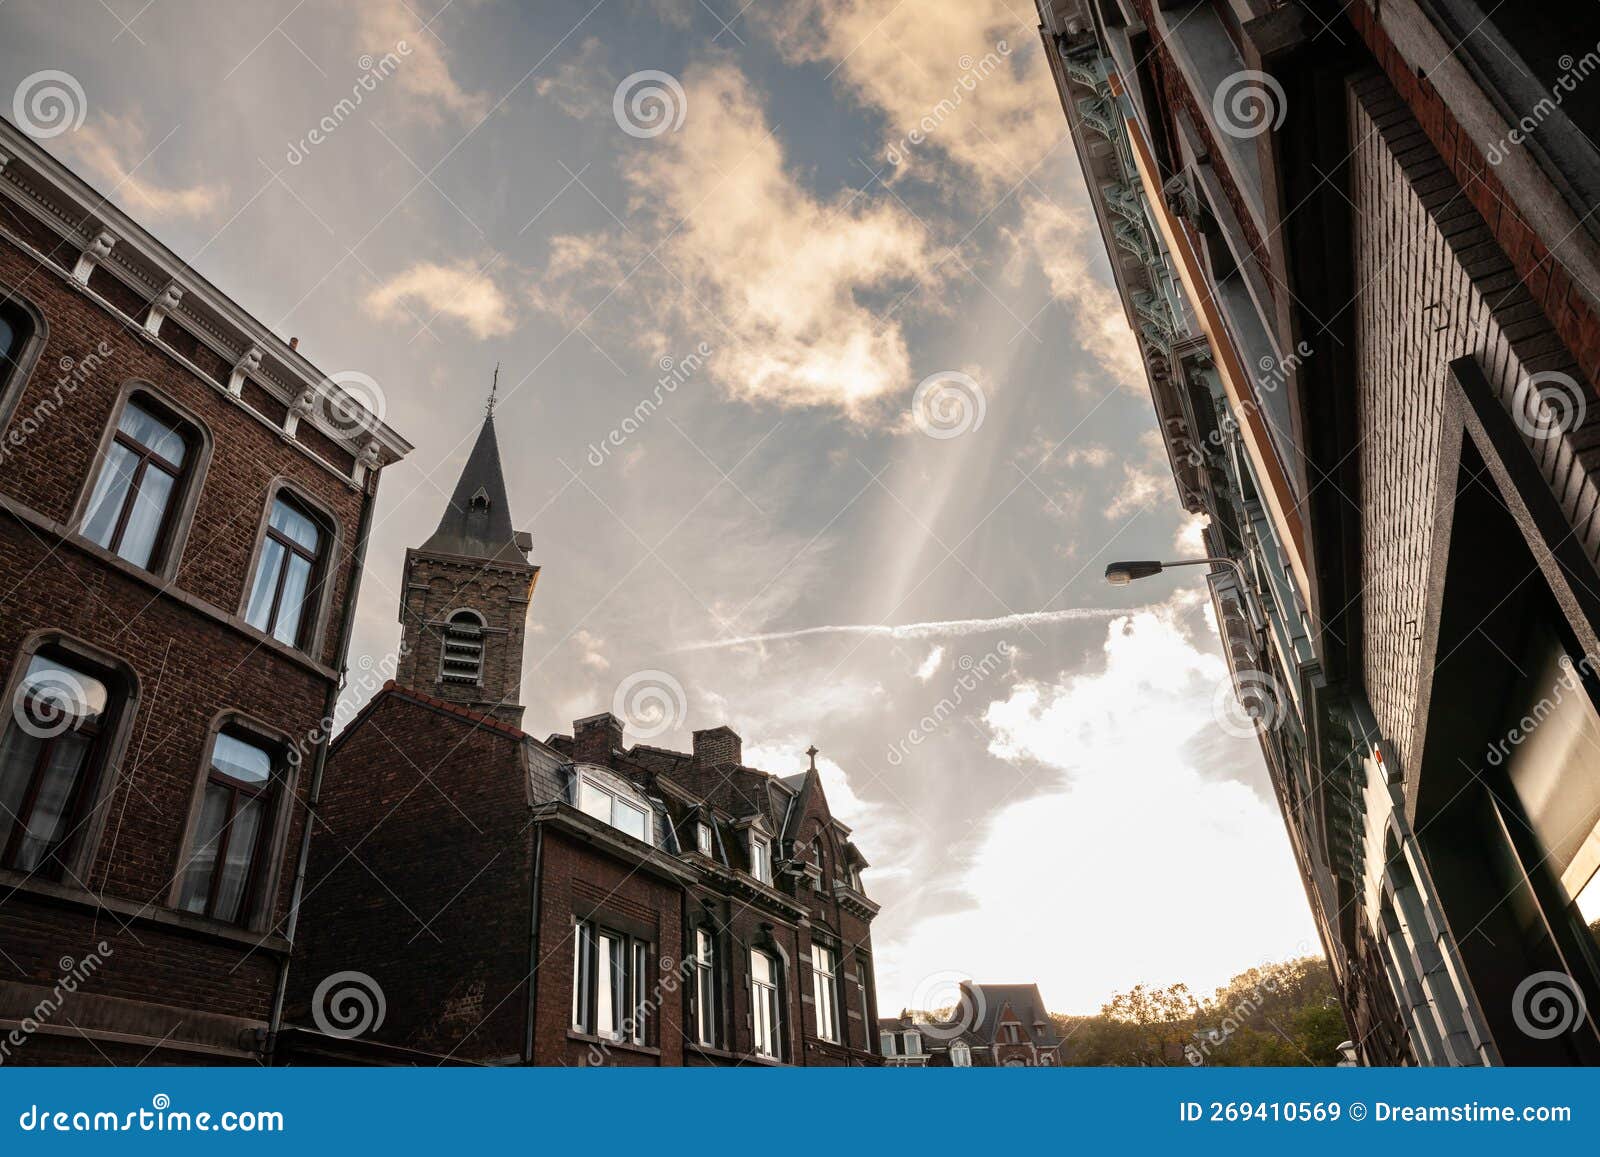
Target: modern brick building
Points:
x,y
477,895
184,501
1357,243
992,1026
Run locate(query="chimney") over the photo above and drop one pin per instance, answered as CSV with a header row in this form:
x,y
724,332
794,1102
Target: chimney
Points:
x,y
717,745
595,738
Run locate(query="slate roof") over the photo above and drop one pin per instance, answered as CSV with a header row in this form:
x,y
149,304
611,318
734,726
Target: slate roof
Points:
x,y
477,522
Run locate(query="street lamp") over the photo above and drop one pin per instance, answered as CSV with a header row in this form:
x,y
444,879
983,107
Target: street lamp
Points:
x,y
1120,574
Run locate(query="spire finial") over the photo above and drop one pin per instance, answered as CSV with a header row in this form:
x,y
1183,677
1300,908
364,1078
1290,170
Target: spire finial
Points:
x,y
494,387
812,752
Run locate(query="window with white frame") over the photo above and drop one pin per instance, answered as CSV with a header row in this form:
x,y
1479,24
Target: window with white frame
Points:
x,y
608,799
765,1022
886,1043
761,858
702,839
913,1044
705,987
824,991
610,972
960,1055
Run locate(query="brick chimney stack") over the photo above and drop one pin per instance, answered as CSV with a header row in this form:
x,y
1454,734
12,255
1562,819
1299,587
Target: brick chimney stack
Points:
x,y
716,746
596,737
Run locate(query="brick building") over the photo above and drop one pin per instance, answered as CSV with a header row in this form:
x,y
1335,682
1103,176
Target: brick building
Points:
x,y
1357,244
183,509
992,1026
477,895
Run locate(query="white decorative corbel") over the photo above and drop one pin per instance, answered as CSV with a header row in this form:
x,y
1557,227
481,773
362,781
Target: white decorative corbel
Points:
x,y
250,363
302,408
99,249
368,461
5,159
161,306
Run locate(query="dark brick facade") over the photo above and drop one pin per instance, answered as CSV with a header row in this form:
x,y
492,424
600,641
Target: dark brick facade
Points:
x,y
157,984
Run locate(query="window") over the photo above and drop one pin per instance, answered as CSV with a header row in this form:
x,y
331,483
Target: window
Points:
x,y
913,1044
886,1043
132,506
705,988
50,758
610,972
764,1017
284,594
461,652
824,991
960,1055
614,804
224,871
702,839
761,858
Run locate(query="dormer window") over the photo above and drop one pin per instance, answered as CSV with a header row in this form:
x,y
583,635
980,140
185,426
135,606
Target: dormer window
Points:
x,y
913,1044
960,1055
479,500
609,799
702,839
461,651
761,858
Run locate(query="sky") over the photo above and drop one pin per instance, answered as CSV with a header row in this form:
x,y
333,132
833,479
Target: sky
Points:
x,y
815,396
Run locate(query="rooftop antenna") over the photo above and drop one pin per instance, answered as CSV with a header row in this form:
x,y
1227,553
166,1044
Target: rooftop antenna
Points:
x,y
494,386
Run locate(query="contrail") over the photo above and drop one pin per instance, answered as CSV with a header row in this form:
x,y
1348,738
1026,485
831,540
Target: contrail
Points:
x,y
948,628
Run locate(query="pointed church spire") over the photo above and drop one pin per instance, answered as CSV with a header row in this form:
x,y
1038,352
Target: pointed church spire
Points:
x,y
494,388
477,522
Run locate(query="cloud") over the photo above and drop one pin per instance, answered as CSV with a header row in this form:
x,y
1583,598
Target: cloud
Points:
x,y
942,629
1178,855
591,649
970,78
117,151
1066,244
578,86
458,291
1190,539
930,666
425,72
791,290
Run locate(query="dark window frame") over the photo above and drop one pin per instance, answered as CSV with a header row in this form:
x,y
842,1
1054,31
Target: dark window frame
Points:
x,y
241,793
182,475
312,606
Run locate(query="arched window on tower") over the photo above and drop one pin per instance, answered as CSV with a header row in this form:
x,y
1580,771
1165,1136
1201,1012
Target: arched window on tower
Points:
x,y
461,653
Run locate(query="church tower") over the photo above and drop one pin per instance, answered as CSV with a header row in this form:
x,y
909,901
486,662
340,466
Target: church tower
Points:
x,y
464,602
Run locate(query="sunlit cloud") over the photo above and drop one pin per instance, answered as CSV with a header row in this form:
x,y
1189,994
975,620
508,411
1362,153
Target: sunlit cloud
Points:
x,y
119,155
426,72
459,292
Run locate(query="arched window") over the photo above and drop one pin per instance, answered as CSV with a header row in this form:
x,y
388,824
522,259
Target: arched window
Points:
x,y
289,571
224,872
141,487
18,329
960,1055
461,649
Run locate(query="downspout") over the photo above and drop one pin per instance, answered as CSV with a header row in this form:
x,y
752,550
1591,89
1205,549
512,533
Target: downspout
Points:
x,y
533,942
330,706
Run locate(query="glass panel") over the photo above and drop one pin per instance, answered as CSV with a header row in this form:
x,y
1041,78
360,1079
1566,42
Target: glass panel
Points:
x,y
1589,906
243,761
702,839
54,691
149,511
294,526
761,967
640,997
291,606
46,822
259,612
19,755
609,959
592,801
203,858
702,940
241,857
630,819
579,934
152,432
8,338
886,1043
110,492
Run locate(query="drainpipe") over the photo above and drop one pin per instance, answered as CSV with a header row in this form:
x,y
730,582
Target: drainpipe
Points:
x,y
330,706
533,942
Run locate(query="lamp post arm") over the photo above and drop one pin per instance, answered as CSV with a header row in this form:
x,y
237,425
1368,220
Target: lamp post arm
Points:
x,y
1238,569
